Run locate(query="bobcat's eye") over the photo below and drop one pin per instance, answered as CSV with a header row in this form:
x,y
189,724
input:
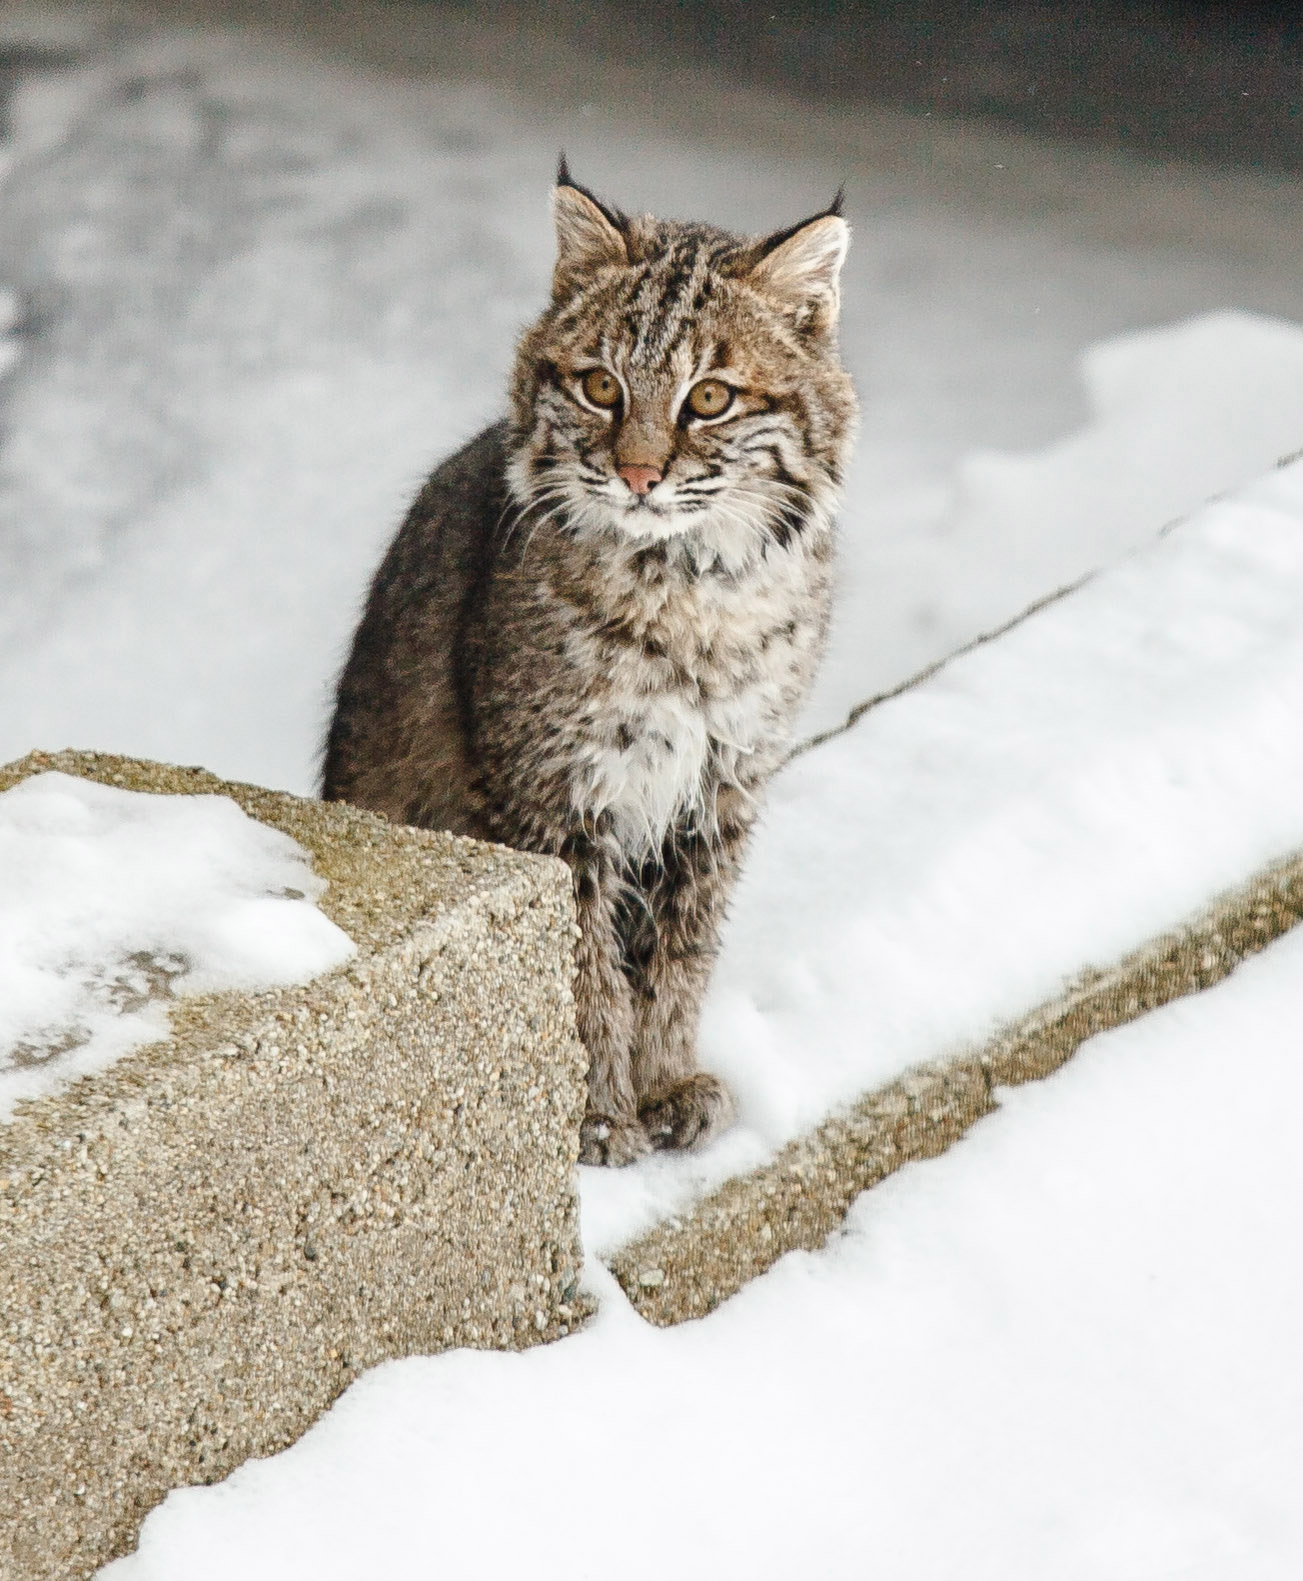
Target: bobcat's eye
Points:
x,y
709,398
601,388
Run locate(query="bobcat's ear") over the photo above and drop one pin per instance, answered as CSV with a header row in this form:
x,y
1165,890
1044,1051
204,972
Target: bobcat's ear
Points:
x,y
800,269
589,235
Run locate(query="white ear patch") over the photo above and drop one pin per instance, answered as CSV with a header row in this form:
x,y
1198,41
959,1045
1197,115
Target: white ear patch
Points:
x,y
803,272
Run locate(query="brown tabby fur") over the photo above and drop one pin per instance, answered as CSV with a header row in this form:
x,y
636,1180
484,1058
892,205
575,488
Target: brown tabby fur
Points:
x,y
550,660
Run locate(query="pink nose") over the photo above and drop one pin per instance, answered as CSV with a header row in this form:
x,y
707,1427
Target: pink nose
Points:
x,y
640,479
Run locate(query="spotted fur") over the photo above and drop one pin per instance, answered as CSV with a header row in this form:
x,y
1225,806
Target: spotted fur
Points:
x,y
552,659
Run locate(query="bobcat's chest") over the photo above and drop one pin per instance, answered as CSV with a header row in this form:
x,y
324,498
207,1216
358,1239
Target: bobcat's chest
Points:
x,y
643,761
693,698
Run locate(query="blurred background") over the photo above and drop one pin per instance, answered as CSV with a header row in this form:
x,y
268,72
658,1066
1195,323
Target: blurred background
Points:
x,y
261,265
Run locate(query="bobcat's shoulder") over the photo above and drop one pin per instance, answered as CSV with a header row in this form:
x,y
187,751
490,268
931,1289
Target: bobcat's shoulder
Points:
x,y
397,741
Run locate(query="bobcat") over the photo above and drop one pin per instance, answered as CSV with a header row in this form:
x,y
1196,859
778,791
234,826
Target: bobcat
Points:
x,y
593,630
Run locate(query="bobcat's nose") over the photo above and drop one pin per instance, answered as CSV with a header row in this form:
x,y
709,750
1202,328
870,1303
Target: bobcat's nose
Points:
x,y
640,479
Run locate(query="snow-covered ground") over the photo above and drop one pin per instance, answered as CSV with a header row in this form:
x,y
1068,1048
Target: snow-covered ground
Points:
x,y
113,900
1066,1349
1177,414
250,296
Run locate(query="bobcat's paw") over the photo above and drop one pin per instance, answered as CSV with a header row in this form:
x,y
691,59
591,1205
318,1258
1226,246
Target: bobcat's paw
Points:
x,y
603,1140
688,1114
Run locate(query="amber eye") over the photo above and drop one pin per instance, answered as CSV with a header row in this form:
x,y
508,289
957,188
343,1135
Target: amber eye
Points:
x,y
601,388
709,398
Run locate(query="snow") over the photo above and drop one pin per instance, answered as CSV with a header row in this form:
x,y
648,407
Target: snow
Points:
x,y
1046,803
1065,1348
1178,414
113,899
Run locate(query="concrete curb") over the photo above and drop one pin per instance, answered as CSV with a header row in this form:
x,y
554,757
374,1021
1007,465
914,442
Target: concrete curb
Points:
x,y
685,1268
203,1245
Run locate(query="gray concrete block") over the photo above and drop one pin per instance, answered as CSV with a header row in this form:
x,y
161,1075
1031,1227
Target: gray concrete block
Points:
x,y
203,1245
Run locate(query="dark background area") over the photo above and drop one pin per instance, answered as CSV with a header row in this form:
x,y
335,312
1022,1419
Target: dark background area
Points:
x,y
1214,82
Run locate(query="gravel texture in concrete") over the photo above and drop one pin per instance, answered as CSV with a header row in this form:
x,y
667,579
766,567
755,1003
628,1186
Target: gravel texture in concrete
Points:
x,y
201,1246
684,1268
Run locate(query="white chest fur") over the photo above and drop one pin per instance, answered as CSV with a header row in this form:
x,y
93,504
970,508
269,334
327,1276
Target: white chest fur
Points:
x,y
662,731
644,764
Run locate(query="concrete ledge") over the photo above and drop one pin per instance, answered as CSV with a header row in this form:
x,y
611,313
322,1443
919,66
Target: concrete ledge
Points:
x,y
203,1245
686,1267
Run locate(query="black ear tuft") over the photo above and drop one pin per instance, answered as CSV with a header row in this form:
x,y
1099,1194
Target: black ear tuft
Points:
x,y
835,211
608,210
799,269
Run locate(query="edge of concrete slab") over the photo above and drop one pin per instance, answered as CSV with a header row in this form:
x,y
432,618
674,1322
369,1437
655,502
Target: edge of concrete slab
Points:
x,y
372,896
686,1267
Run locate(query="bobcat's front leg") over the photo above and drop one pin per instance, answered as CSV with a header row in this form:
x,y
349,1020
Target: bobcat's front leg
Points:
x,y
611,1132
680,1105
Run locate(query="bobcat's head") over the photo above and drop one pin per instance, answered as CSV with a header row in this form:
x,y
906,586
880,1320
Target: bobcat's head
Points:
x,y
683,380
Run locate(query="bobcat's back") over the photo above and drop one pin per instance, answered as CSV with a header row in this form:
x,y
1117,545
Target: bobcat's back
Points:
x,y
399,742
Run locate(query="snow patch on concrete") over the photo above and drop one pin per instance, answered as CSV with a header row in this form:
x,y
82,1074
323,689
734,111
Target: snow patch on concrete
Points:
x,y
113,900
